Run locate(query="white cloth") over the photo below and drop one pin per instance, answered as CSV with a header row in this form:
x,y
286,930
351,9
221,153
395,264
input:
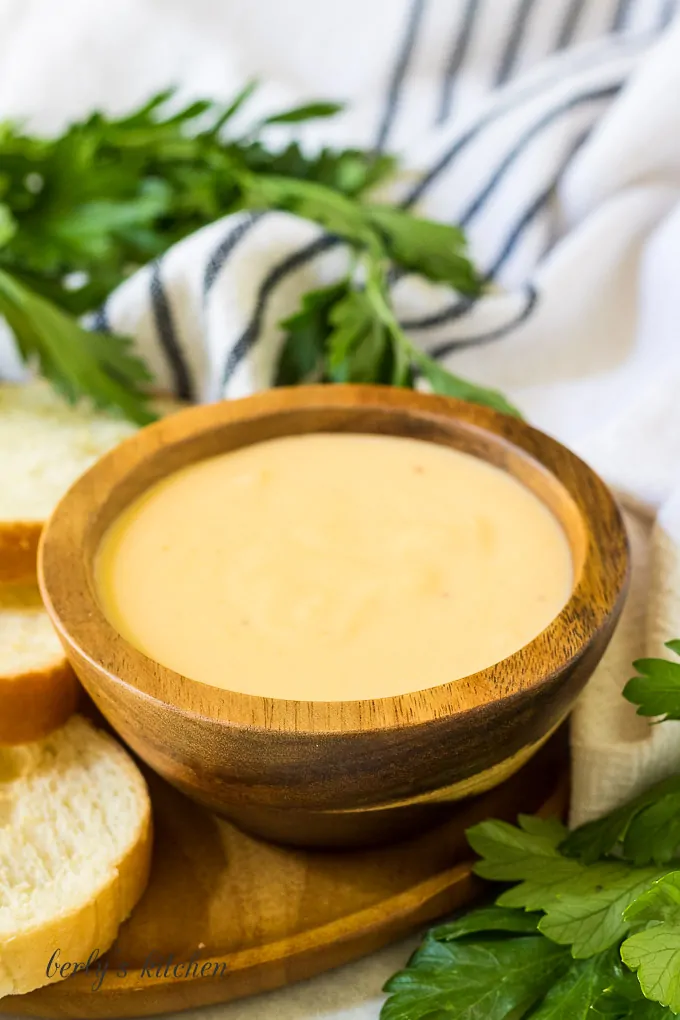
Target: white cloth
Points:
x,y
551,132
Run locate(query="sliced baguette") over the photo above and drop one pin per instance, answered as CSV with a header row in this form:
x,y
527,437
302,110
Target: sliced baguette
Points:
x,y
75,848
38,689
45,444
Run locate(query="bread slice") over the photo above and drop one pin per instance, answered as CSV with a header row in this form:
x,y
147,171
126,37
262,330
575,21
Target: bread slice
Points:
x,y
75,846
45,444
38,688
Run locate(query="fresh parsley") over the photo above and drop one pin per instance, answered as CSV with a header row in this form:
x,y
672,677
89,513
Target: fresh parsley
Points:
x,y
645,829
583,904
75,361
348,332
656,691
485,976
80,212
586,925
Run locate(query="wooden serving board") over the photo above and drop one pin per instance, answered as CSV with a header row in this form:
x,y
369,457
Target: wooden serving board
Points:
x,y
253,916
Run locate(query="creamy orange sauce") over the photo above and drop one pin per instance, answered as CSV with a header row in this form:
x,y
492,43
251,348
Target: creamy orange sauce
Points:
x,y
334,567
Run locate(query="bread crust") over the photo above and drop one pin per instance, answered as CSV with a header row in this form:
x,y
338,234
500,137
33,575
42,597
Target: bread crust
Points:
x,y
36,702
94,924
19,551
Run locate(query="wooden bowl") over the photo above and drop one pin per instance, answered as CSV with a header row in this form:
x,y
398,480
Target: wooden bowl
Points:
x,y
337,773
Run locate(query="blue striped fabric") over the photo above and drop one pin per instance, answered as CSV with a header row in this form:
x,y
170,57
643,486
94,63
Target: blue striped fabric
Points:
x,y
514,94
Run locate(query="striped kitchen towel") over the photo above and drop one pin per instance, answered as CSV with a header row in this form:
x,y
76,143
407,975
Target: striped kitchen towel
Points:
x,y
550,131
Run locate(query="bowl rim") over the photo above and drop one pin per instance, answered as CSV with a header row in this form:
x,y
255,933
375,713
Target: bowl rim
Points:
x,y
87,635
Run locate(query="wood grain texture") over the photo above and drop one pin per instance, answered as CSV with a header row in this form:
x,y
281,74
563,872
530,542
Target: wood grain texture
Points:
x,y
258,916
337,773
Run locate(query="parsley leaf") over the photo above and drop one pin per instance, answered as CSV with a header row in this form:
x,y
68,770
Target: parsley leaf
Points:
x,y
348,171
491,964
647,828
574,995
655,832
604,835
592,922
622,999
583,904
310,111
655,955
659,903
639,1009
643,830
471,983
656,691
303,355
334,337
8,225
486,919
337,213
76,361
487,979
528,854
655,952
357,341
435,250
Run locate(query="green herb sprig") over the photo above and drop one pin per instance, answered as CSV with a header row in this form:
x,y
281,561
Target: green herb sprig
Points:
x,y
79,213
656,691
348,332
110,194
588,924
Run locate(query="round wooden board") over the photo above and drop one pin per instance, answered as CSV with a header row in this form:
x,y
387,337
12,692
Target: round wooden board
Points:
x,y
254,916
